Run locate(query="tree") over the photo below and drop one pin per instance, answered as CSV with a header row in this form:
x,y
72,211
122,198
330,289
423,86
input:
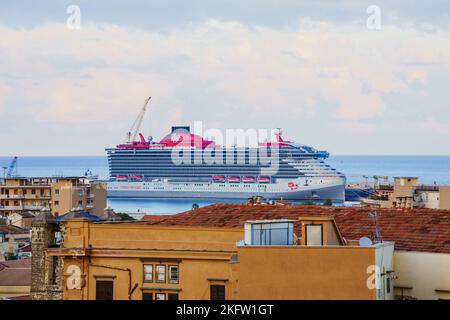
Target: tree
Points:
x,y
10,256
328,202
125,216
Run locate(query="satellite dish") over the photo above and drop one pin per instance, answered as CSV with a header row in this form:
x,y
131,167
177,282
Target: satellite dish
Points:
x,y
365,242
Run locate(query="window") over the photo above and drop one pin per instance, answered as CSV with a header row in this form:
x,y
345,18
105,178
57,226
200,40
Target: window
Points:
x,y
56,203
172,296
147,296
173,274
388,285
313,235
217,292
104,290
56,191
160,273
148,273
53,269
266,234
33,191
160,296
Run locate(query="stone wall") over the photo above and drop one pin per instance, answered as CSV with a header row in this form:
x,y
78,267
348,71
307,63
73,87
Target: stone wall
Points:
x,y
46,284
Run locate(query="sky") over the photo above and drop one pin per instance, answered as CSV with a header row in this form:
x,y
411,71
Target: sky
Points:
x,y
313,68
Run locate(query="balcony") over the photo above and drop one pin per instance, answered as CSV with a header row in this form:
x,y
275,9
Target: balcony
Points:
x,y
11,208
28,186
36,196
33,208
10,196
24,196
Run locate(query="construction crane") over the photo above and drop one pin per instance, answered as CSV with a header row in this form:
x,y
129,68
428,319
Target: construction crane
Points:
x,y
12,167
134,130
377,178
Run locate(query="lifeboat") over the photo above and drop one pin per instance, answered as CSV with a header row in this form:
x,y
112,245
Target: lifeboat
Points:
x,y
136,177
121,178
264,179
248,179
218,178
233,179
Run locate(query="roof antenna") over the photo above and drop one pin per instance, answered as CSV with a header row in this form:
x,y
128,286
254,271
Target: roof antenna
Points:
x,y
373,215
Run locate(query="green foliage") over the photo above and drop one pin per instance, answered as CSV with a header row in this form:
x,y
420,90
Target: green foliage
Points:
x,y
126,217
328,202
195,206
308,203
381,197
10,256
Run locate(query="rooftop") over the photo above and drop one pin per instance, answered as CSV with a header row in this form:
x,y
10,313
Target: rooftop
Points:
x,y
12,229
78,215
15,273
152,217
425,230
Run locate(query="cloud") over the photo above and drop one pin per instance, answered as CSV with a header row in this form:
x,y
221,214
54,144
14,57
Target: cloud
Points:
x,y
223,72
438,127
4,92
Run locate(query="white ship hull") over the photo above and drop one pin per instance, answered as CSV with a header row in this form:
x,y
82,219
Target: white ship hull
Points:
x,y
322,188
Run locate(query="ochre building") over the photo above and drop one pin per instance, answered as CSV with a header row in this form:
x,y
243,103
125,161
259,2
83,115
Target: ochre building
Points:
x,y
292,257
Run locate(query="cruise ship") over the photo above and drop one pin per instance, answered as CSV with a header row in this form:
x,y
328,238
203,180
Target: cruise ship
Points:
x,y
186,165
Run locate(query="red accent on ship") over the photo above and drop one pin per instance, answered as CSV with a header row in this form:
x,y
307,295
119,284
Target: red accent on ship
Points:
x,y
280,142
292,185
175,139
233,179
248,179
264,179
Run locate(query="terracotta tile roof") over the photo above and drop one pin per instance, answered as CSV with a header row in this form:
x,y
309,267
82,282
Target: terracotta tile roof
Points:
x,y
19,298
25,248
152,217
21,263
16,273
426,230
12,229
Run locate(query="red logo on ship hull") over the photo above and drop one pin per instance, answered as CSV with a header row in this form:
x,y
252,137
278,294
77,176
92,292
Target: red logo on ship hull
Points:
x,y
292,185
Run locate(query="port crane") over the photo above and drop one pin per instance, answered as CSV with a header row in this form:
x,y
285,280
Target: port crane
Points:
x,y
12,168
134,130
377,178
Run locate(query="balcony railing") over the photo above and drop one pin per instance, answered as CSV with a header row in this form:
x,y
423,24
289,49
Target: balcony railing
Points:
x,y
7,208
24,196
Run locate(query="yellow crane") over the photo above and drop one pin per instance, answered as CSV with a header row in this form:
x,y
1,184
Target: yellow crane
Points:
x,y
134,130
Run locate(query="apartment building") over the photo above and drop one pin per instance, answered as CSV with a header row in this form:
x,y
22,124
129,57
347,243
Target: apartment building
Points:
x,y
408,193
60,194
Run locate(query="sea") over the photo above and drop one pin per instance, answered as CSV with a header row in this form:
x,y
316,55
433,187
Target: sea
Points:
x,y
357,168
